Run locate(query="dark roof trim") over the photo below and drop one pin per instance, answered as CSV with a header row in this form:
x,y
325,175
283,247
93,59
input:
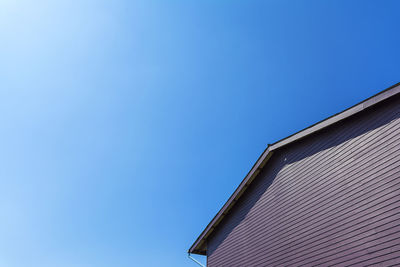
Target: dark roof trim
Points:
x,y
199,246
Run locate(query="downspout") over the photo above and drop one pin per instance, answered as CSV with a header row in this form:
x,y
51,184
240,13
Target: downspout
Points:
x,y
196,261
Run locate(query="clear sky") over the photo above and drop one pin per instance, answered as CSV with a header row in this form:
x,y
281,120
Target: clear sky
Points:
x,y
126,125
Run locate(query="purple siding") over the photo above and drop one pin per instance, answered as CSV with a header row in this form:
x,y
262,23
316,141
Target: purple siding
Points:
x,y
332,198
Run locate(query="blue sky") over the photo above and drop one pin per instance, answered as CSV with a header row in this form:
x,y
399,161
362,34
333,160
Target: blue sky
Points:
x,y
126,125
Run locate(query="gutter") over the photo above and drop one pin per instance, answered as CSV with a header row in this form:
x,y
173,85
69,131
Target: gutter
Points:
x,y
196,261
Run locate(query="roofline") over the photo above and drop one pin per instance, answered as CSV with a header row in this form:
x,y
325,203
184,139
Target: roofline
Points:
x,y
266,155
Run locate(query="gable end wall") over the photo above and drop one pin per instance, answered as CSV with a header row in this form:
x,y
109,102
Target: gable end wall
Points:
x,y
332,198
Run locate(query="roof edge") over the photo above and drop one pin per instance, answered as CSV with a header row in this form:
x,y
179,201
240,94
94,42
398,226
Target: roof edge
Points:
x,y
197,246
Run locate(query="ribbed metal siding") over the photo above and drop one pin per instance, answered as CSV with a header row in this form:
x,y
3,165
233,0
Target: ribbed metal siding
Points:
x,y
330,199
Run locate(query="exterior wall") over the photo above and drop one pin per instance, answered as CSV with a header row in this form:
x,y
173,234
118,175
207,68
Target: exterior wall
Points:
x,y
330,199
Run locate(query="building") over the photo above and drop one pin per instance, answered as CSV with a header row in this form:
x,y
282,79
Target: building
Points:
x,y
328,195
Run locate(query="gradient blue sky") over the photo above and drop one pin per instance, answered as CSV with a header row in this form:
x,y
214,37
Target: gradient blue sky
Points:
x,y
126,125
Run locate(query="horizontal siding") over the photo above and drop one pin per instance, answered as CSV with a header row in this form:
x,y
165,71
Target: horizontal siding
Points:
x,y
330,199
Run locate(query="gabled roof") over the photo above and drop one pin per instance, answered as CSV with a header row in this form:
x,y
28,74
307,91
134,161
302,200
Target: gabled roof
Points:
x,y
199,246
